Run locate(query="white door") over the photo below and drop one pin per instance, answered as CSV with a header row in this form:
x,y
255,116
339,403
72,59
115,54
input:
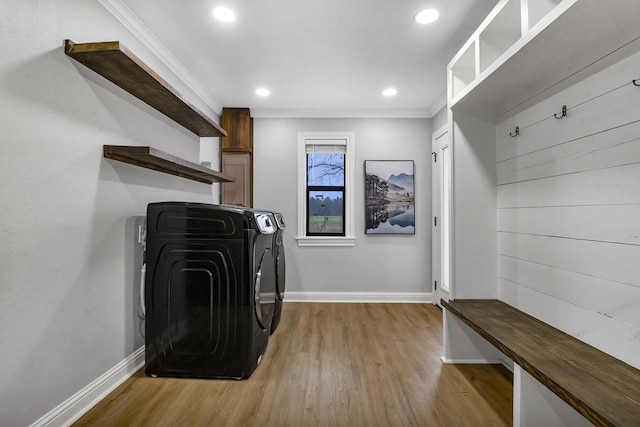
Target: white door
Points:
x,y
441,214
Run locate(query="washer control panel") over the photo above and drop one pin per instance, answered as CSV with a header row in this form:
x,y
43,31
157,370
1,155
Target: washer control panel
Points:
x,y
265,223
280,221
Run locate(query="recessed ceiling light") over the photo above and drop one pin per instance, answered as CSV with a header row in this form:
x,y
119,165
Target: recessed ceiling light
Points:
x,y
427,16
223,14
262,91
389,92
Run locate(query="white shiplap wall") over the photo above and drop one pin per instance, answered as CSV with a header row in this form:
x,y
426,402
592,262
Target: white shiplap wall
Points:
x,y
569,211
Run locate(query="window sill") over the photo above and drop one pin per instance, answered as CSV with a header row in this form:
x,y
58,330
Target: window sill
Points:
x,y
326,241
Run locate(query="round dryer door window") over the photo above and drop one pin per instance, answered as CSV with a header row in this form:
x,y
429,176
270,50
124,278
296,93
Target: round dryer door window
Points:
x,y
265,289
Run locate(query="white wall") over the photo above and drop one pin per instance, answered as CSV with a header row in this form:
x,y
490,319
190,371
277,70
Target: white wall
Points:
x,y
569,211
474,240
68,252
379,263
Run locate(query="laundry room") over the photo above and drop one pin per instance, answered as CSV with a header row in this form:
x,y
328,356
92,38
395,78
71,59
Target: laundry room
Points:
x,y
145,231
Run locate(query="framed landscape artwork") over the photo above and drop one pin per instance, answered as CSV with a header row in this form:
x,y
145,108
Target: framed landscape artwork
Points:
x,y
389,197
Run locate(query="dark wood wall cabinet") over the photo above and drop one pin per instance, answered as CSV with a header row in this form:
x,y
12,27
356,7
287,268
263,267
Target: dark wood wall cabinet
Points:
x,y
237,156
117,64
238,166
239,125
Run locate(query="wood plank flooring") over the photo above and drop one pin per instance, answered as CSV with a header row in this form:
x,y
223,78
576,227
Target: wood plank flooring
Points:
x,y
329,365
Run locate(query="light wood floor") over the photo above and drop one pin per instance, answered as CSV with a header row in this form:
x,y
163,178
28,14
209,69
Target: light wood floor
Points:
x,y
329,365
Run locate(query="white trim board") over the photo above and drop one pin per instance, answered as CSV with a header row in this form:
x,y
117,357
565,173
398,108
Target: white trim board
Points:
x,y
346,141
274,113
80,403
359,297
131,21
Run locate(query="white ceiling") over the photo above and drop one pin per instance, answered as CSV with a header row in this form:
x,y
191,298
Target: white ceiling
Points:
x,y
317,56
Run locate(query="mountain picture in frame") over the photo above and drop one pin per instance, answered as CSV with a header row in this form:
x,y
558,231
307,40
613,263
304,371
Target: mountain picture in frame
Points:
x,y
389,197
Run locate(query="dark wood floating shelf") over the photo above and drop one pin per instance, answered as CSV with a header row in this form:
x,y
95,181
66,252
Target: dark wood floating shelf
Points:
x,y
150,158
120,66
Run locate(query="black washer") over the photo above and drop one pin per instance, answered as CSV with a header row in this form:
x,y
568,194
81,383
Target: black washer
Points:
x,y
210,289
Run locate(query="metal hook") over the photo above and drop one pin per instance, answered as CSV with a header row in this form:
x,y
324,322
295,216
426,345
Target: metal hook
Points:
x,y
563,114
517,132
634,82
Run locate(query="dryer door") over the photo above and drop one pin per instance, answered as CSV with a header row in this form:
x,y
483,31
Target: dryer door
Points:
x,y
265,289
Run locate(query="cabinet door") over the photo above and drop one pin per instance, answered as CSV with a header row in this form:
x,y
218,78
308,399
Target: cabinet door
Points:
x,y
239,192
237,123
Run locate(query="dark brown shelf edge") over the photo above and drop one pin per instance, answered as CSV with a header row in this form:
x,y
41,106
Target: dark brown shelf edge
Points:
x,y
151,158
189,116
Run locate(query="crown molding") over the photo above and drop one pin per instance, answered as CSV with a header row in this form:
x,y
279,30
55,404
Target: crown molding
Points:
x,y
131,21
338,114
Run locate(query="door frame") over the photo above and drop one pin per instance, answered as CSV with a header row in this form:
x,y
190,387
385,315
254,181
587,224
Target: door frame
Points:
x,y
437,241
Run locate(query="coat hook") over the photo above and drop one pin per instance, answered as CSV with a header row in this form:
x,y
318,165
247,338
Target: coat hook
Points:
x,y
517,132
634,82
563,114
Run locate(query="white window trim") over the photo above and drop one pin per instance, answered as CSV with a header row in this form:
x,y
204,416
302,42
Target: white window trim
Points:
x,y
329,138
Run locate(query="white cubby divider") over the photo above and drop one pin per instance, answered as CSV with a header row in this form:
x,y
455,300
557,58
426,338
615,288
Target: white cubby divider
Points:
x,y
463,71
534,10
504,30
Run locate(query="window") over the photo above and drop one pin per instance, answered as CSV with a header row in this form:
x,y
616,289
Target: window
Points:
x,y
325,184
325,190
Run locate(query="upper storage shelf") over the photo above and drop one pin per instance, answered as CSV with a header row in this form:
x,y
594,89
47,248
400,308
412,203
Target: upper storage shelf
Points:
x,y
527,50
115,63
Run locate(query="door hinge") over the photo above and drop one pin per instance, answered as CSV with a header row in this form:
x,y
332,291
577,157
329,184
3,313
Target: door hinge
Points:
x,y
435,284
435,156
435,221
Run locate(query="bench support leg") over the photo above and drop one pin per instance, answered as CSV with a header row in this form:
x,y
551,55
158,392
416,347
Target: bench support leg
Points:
x,y
461,344
535,405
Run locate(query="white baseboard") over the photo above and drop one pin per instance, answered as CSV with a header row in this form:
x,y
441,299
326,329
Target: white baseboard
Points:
x,y
77,405
364,297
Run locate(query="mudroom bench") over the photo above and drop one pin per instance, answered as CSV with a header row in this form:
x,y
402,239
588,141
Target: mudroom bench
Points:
x,y
556,377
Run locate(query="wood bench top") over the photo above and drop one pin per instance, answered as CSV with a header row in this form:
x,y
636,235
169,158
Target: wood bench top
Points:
x,y
602,388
